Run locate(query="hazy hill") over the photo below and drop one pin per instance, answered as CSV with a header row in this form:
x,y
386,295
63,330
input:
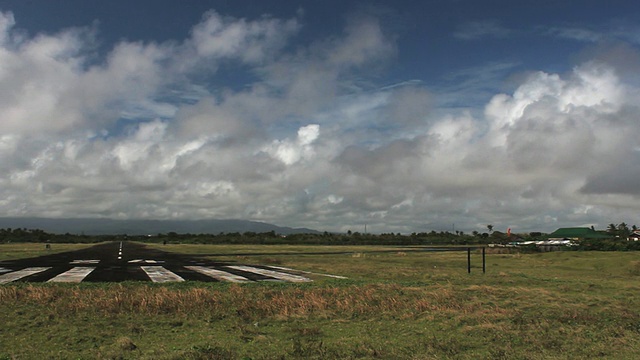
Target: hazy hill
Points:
x,y
145,227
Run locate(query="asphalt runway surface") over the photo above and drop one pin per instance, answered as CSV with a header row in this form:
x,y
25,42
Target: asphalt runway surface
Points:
x,y
127,261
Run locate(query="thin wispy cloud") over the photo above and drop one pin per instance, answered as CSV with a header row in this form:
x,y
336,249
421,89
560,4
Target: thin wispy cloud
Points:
x,y
578,34
483,29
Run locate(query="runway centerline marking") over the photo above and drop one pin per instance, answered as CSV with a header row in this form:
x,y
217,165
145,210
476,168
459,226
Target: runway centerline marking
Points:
x,y
17,275
218,274
75,275
160,275
274,274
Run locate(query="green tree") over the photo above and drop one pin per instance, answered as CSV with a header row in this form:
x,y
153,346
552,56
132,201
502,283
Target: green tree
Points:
x,y
623,230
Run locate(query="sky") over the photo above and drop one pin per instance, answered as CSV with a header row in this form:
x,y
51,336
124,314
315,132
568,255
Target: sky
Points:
x,y
404,116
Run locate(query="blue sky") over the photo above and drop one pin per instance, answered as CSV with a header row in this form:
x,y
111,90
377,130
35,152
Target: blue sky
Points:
x,y
405,115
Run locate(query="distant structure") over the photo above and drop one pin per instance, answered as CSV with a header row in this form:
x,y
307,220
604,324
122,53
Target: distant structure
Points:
x,y
563,237
576,234
634,236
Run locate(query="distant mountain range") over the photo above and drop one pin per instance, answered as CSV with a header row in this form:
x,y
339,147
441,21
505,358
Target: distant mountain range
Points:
x,y
145,227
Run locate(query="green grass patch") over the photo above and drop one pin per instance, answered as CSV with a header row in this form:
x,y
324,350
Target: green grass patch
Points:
x,y
27,250
394,305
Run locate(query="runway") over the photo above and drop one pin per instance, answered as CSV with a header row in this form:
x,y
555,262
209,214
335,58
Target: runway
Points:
x,y
128,261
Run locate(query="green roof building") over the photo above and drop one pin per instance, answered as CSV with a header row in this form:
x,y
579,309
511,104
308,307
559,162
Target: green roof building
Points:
x,y
577,233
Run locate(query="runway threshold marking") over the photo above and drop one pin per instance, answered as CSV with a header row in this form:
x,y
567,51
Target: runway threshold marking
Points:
x,y
17,275
143,261
218,274
160,275
84,262
274,274
75,275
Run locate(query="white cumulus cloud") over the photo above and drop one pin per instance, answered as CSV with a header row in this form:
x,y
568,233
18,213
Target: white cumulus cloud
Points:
x,y
149,131
290,152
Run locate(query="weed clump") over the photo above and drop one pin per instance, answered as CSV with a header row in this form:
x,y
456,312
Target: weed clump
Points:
x,y
207,352
125,344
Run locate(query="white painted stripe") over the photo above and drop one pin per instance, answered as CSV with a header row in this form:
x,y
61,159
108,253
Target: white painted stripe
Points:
x,y
159,274
308,272
75,275
17,275
84,262
3,270
139,261
271,273
218,274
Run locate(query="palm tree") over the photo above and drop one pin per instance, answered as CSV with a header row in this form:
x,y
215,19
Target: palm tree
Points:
x,y
623,229
490,227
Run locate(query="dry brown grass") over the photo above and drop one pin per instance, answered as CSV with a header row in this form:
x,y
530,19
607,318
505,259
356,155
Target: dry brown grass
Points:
x,y
290,302
476,304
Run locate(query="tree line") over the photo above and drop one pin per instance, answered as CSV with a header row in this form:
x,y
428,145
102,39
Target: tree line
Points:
x,y
270,237
617,232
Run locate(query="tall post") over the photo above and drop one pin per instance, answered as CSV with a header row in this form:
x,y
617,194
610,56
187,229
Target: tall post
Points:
x,y
484,263
469,260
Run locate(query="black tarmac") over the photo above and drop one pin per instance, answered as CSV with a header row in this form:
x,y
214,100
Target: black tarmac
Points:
x,y
128,261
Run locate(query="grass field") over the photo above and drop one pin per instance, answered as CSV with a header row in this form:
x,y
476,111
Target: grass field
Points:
x,y
24,250
394,305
